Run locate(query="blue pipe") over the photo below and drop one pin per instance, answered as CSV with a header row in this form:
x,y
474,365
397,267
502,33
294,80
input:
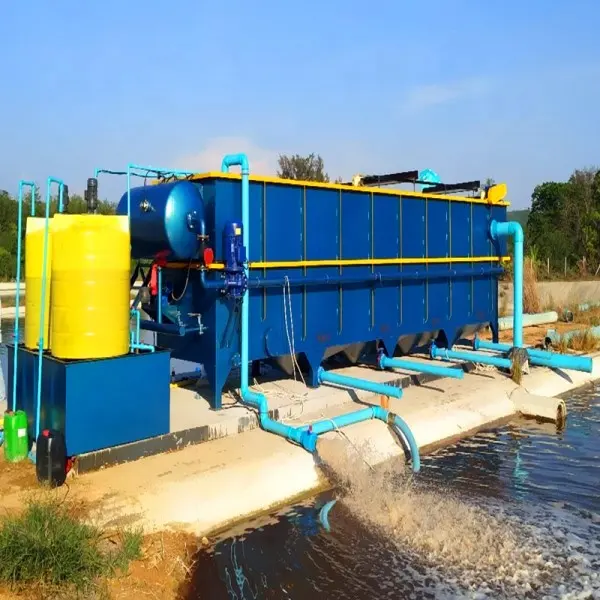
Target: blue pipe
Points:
x,y
211,284
553,360
394,363
22,185
257,282
134,340
513,228
302,436
324,514
167,328
484,359
359,384
155,170
159,295
241,160
310,433
38,406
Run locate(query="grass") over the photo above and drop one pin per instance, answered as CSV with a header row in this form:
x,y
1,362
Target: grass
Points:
x,y
531,296
581,341
49,546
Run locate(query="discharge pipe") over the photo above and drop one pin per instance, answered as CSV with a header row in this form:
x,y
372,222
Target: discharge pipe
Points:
x,y
484,359
543,358
514,229
394,363
22,185
304,436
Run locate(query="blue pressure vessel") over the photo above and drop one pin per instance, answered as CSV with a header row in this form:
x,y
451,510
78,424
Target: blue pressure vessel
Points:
x,y
167,218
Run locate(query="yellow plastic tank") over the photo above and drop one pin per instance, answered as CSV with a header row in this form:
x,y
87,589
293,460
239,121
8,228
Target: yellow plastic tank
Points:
x,y
34,253
90,286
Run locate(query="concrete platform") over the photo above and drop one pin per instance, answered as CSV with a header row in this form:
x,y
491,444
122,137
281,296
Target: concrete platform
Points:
x,y
206,487
194,422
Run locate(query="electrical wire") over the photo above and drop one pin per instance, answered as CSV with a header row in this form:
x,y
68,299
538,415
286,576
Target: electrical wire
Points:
x,y
187,279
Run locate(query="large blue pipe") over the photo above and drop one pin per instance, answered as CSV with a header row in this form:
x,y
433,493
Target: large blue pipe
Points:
x,y
394,363
359,384
258,282
514,229
22,185
484,359
374,278
310,433
542,357
301,436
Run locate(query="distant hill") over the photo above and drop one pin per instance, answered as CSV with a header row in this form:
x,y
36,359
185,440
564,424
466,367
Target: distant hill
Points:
x,y
519,215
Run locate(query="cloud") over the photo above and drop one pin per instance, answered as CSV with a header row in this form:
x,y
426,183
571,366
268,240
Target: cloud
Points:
x,y
208,158
435,94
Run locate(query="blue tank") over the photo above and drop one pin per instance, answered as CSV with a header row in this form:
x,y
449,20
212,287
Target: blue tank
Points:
x,y
165,218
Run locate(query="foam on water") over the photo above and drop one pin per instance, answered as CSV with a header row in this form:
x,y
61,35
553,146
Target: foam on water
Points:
x,y
475,547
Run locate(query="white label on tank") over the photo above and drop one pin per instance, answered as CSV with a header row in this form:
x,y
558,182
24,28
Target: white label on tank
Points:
x,y
21,432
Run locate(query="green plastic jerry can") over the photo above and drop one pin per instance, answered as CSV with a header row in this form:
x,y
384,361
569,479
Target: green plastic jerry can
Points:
x,y
16,441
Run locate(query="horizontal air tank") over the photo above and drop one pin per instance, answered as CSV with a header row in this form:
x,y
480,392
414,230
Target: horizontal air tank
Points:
x,y
90,286
166,219
34,258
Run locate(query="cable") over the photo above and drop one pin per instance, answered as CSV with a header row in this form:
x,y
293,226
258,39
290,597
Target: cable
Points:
x,y
187,279
290,338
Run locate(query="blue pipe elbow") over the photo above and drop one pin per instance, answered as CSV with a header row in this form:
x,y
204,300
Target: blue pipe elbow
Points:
x,y
505,228
231,160
513,228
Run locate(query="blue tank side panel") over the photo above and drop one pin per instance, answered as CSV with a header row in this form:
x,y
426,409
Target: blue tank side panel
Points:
x,y
281,238
461,237
482,246
321,315
413,246
356,244
437,297
386,244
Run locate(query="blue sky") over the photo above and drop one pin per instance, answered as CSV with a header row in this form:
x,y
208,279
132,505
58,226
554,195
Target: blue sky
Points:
x,y
471,90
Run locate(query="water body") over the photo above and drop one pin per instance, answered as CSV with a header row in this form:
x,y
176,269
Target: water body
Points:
x,y
509,513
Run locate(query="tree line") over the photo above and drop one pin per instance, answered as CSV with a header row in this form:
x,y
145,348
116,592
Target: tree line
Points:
x,y
9,229
563,224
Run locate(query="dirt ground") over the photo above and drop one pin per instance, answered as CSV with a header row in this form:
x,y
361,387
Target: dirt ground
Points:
x,y
167,561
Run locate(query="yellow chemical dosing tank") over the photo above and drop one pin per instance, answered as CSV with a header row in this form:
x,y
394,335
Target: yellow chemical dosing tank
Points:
x,y
34,255
90,286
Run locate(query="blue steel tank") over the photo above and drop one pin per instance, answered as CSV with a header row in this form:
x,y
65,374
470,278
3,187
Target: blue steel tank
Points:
x,y
165,219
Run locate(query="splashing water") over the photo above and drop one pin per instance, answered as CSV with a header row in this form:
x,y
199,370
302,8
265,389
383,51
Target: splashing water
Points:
x,y
478,548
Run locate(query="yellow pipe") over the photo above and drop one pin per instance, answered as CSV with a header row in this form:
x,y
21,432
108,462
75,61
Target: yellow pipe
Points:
x,y
357,262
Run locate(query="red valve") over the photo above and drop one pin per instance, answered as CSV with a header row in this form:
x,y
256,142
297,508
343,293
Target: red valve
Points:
x,y
209,256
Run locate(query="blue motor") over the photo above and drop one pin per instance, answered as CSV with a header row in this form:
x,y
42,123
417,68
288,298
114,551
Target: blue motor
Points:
x,y
234,257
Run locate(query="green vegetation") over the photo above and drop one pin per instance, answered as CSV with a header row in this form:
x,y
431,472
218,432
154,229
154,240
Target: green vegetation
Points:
x,y
563,225
48,545
303,168
8,225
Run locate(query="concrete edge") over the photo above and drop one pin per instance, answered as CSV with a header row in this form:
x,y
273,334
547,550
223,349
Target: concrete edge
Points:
x,y
178,440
